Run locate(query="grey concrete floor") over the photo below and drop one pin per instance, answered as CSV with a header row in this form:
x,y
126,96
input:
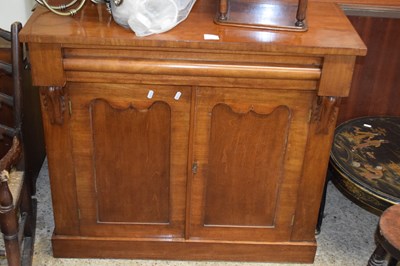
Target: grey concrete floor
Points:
x,y
346,237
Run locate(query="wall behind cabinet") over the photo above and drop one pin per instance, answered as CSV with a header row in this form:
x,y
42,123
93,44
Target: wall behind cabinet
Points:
x,y
376,82
15,10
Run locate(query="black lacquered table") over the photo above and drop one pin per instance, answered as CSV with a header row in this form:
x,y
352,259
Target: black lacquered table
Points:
x,y
365,161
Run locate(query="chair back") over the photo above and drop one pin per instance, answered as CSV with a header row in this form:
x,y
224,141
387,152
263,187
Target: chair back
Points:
x,y
17,208
14,70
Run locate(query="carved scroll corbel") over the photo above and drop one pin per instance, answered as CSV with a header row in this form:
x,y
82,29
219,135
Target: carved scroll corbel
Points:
x,y
325,113
53,100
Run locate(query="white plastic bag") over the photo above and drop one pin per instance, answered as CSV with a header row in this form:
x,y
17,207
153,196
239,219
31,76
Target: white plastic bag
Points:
x,y
146,17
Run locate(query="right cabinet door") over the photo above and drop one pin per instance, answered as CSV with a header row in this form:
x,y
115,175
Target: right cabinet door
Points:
x,y
249,146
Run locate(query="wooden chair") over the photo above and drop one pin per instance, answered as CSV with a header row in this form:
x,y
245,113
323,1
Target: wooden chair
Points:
x,y
17,209
388,238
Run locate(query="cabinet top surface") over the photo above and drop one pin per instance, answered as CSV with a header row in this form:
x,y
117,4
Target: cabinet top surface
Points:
x,y
329,32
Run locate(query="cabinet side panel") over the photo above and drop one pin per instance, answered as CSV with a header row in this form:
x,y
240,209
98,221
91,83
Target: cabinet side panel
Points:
x,y
62,176
315,166
246,156
134,190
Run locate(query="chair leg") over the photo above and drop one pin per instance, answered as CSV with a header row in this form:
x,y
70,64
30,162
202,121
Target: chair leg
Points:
x,y
378,257
9,228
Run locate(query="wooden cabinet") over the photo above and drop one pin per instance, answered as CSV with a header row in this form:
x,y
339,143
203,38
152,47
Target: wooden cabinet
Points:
x,y
176,147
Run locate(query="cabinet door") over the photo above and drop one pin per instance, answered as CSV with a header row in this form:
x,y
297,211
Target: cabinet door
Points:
x,y
247,160
130,145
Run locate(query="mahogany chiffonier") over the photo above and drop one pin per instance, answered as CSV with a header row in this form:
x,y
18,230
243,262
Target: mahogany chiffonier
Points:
x,y
173,146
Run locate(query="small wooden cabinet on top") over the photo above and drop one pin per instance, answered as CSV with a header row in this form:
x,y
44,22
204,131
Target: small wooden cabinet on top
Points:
x,y
173,146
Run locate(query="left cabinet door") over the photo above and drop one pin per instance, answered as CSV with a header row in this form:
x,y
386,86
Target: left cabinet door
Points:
x,y
130,146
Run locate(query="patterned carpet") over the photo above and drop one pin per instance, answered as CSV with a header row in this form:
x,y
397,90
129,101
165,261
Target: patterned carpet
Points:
x,y
346,237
